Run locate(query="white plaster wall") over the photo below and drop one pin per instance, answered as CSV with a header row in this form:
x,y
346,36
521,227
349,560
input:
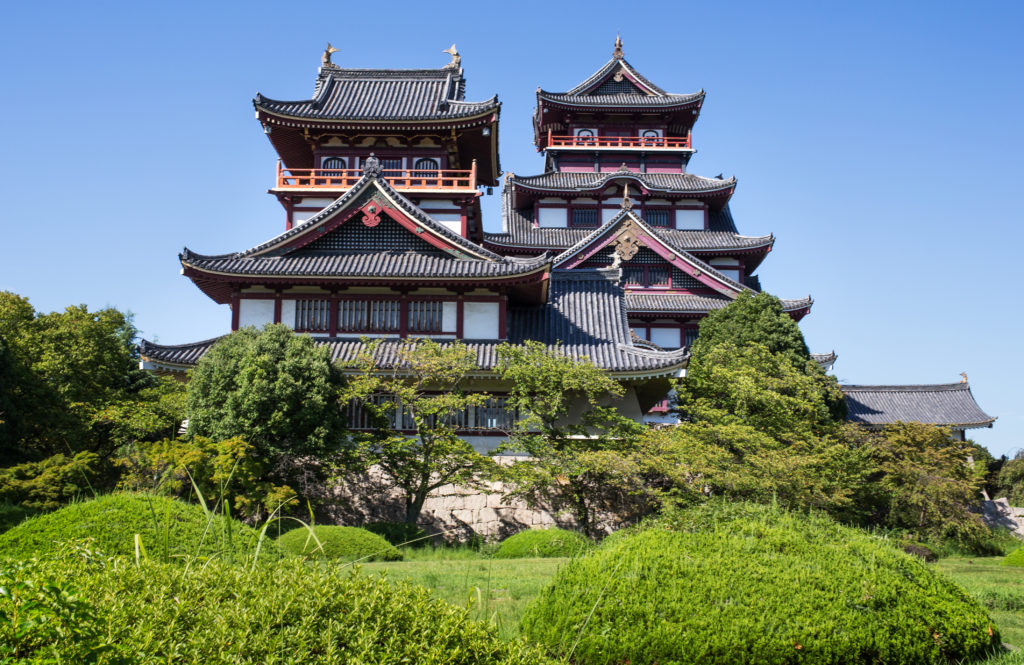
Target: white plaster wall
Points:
x,y
302,215
442,204
731,273
255,312
608,213
552,217
449,317
454,227
690,219
666,338
288,313
480,320
321,203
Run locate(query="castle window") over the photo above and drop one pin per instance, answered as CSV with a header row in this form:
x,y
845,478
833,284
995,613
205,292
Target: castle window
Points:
x,y
658,277
391,167
373,316
584,217
426,317
657,217
425,168
312,315
332,164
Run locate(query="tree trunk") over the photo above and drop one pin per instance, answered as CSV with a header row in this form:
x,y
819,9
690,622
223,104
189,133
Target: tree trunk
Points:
x,y
414,506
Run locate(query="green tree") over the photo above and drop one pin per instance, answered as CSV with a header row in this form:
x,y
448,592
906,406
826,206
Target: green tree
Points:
x,y
278,392
1011,480
757,318
424,391
584,455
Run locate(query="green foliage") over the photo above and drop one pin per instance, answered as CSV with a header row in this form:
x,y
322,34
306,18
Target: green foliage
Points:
x,y
279,392
921,482
1010,481
276,389
345,543
1015,558
229,470
400,533
543,543
169,529
583,453
51,483
728,583
288,612
12,515
72,383
752,319
426,388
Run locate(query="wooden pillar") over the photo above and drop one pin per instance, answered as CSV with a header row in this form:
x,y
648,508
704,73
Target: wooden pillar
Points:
x,y
403,316
332,322
503,318
460,308
277,307
235,307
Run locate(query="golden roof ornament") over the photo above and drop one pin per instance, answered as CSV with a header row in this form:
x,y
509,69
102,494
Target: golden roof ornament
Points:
x,y
456,58
617,53
963,376
325,59
627,204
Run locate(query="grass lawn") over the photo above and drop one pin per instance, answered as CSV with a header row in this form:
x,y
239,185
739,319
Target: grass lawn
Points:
x,y
497,590
999,588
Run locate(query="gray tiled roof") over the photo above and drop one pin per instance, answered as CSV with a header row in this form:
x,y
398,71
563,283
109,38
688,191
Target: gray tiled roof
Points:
x,y
585,317
826,360
947,404
382,264
620,100
383,94
587,181
693,302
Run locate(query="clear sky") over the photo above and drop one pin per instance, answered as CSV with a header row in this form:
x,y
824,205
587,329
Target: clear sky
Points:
x,y
880,142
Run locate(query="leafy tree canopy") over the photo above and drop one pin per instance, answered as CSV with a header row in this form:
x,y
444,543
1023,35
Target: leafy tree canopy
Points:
x,y
756,318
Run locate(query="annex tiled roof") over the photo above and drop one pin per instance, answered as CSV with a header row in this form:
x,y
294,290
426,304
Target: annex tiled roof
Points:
x,y
585,317
693,302
383,94
826,360
947,404
588,181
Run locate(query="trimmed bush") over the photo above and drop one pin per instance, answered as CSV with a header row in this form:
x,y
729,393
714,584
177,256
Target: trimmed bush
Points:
x,y
109,611
742,583
1014,558
542,543
400,533
347,543
168,529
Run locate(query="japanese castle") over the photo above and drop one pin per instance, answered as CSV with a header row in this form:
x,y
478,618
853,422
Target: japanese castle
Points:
x,y
614,253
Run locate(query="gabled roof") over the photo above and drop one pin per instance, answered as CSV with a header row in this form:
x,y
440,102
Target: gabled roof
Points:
x,y
945,404
686,303
433,253
383,95
618,83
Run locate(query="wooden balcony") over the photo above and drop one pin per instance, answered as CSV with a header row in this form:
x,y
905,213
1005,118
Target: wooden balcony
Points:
x,y
404,180
618,142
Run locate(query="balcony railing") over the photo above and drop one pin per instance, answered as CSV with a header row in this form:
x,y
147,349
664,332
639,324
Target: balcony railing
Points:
x,y
628,142
400,179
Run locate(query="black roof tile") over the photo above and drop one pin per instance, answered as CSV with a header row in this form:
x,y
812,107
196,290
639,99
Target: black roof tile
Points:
x,y
946,404
587,181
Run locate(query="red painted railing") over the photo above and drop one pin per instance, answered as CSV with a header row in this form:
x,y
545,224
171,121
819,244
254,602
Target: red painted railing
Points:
x,y
400,179
638,142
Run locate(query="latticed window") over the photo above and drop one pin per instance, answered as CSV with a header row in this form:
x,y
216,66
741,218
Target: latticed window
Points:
x,y
584,216
391,166
426,168
657,217
380,316
332,166
689,336
426,316
313,315
497,413
647,275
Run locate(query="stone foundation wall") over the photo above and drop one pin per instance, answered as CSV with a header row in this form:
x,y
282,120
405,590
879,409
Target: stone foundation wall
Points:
x,y
453,513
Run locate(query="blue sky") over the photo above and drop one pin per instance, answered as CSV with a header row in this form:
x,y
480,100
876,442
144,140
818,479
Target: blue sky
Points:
x,y
879,141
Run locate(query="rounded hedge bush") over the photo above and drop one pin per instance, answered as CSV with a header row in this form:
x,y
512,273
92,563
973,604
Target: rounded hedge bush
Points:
x,y
1014,558
542,543
742,583
400,533
167,528
347,543
110,611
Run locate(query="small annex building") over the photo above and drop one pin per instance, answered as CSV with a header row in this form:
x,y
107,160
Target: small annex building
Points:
x,y
614,252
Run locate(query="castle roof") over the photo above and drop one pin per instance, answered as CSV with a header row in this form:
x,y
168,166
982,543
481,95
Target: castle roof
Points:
x,y
683,183
641,302
383,95
945,404
617,83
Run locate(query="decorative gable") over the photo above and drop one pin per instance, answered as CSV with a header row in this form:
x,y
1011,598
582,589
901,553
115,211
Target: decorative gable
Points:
x,y
617,85
355,235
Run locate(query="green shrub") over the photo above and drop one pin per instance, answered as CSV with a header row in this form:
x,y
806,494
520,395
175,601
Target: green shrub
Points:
x,y
1014,558
723,583
400,533
279,612
348,543
52,482
542,543
167,528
